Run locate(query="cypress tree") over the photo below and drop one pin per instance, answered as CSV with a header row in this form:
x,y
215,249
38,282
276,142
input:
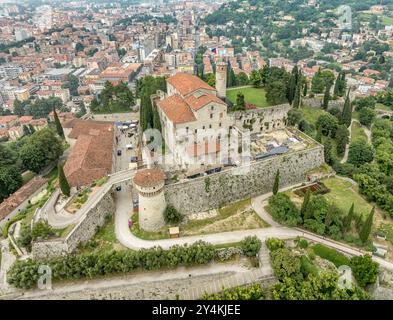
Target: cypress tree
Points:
x,y
336,88
347,112
156,120
326,98
276,182
26,130
293,85
348,218
59,127
328,148
319,135
305,203
366,228
64,186
305,88
296,101
342,85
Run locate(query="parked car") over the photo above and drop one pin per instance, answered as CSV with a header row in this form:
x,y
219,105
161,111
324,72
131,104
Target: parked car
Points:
x,y
118,188
119,152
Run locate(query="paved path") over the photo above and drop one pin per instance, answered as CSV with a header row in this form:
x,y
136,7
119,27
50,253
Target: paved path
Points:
x,y
64,219
367,132
127,239
7,259
222,270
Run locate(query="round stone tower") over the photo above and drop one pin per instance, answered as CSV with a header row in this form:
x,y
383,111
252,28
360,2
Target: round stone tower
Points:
x,y
150,186
221,79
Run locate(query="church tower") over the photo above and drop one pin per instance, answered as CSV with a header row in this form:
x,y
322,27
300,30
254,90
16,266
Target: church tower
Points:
x,y
221,79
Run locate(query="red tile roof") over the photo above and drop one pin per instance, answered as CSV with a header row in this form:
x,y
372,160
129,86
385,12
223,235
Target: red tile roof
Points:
x,y
198,102
91,157
17,198
149,177
187,83
176,109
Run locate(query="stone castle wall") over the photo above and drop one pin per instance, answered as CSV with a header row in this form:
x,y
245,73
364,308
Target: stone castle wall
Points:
x,y
95,218
80,234
222,188
263,119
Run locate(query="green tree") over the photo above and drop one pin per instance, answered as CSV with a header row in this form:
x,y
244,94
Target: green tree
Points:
x,y
348,218
63,182
364,269
297,98
347,112
328,151
250,246
305,88
40,149
241,79
293,85
59,127
294,117
240,103
255,78
276,183
342,139
328,124
10,181
366,228
360,152
366,116
326,98
172,216
283,210
305,203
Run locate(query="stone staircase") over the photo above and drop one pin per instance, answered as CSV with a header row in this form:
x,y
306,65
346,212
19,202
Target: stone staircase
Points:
x,y
262,274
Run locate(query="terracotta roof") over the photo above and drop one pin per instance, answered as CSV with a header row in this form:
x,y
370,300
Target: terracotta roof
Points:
x,y
149,177
187,83
197,102
176,109
25,119
91,157
7,119
17,198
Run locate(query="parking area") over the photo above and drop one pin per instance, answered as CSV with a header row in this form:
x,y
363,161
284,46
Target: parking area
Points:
x,y
126,141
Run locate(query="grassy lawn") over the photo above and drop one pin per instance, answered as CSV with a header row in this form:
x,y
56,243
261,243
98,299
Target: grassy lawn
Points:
x,y
236,216
381,106
27,176
255,96
357,132
62,233
104,240
140,233
343,194
311,114
386,21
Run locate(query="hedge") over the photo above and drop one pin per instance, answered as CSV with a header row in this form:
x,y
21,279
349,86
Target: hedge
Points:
x,y
330,254
24,273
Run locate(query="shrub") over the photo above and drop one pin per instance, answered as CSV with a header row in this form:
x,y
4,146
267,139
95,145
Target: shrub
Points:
x,y
307,267
274,244
364,269
172,216
332,255
285,264
283,210
251,292
250,246
314,226
24,273
302,243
